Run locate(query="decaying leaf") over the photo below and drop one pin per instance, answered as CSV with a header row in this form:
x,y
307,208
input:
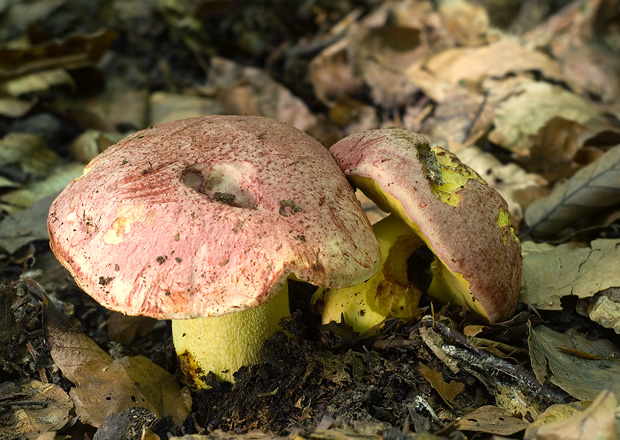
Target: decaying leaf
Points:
x,y
589,190
495,60
250,91
33,407
70,348
35,82
569,422
25,226
553,358
491,420
551,273
55,182
467,22
166,107
531,106
381,58
603,308
461,119
72,52
105,386
447,390
14,107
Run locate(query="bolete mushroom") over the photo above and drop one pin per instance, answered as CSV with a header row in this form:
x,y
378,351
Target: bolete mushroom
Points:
x,y
462,220
388,293
202,221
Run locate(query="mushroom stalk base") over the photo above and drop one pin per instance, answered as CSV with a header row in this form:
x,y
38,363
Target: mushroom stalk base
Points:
x,y
223,344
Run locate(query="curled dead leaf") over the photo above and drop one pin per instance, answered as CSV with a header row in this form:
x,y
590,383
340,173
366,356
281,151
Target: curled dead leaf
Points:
x,y
594,187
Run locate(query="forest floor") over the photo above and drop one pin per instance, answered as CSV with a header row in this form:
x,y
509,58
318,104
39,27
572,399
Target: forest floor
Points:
x,y
524,92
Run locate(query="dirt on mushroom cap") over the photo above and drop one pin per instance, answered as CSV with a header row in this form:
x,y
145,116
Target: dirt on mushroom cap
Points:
x,y
209,215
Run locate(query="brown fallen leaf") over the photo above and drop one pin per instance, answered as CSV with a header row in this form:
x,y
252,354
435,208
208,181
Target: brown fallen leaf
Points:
x,y
251,91
491,420
36,82
597,421
166,107
34,408
73,52
551,273
493,60
550,361
105,386
447,390
109,388
519,118
603,308
594,187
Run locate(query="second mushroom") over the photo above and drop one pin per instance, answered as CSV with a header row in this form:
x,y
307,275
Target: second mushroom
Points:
x,y
461,219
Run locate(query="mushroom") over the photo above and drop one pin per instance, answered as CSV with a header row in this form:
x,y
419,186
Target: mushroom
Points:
x,y
202,221
462,220
388,293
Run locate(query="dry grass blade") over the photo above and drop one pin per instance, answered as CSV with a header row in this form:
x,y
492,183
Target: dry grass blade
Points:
x,y
592,188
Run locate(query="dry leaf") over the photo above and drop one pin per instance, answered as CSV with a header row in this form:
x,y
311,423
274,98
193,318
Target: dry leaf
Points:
x,y
165,107
251,91
595,68
491,420
90,143
460,120
465,21
603,308
382,56
520,117
447,390
105,386
73,52
597,421
494,60
554,148
551,273
592,188
33,407
70,348
16,108
17,147
124,328
26,226
552,360
21,15
56,181
36,82
332,74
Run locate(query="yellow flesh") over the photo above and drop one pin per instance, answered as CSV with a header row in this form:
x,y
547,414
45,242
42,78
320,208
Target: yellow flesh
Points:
x,y
446,285
454,175
223,344
387,293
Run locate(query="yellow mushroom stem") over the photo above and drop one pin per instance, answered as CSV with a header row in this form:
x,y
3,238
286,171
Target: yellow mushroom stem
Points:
x,y
388,293
445,285
223,344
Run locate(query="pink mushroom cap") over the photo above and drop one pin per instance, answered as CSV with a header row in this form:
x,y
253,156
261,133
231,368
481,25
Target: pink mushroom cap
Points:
x,y
205,216
470,239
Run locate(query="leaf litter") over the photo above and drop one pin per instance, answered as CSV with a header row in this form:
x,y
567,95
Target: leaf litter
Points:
x,y
529,100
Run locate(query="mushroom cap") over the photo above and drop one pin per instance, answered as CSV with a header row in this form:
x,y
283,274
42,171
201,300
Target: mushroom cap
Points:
x,y
466,226
205,216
